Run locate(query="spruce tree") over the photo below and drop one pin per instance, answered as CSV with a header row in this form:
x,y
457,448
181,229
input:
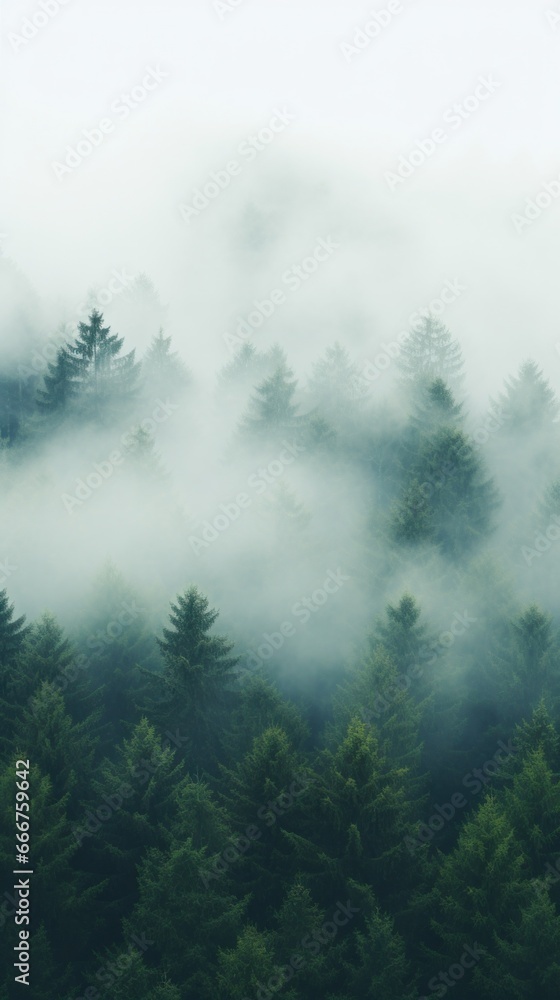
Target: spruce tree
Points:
x,y
528,400
436,407
164,373
448,499
105,379
266,788
195,687
12,631
61,384
333,385
272,414
430,353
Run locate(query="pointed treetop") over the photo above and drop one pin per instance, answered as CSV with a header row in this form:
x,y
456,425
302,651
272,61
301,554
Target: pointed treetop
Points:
x,y
429,353
528,400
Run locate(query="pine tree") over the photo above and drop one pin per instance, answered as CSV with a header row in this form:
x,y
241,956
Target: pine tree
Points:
x,y
435,407
71,894
532,806
258,707
524,669
195,687
145,460
207,916
334,383
13,687
529,400
454,501
244,970
61,384
62,749
538,733
272,413
549,504
164,373
138,786
12,631
483,893
115,637
381,968
429,353
105,379
357,812
48,656
265,789
199,816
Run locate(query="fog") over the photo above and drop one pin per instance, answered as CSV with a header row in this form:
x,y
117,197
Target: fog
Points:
x,y
116,230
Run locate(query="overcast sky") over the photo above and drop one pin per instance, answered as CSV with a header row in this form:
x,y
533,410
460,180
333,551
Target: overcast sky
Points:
x,y
220,76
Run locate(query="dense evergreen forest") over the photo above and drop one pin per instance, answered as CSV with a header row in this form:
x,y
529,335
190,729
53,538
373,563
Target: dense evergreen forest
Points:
x,y
292,715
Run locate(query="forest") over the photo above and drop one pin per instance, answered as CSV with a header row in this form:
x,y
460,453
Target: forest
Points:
x,y
279,670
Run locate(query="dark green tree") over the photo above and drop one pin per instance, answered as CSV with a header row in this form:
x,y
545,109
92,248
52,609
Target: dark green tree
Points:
x,y
483,889
195,689
106,380
12,631
64,750
265,790
61,384
208,916
453,498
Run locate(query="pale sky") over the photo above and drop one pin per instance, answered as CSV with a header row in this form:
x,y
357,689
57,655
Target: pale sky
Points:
x,y
354,116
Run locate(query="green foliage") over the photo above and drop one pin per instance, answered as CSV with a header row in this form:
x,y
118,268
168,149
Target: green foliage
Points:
x,y
88,374
448,499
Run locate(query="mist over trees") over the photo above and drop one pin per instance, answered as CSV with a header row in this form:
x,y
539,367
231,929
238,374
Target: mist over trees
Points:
x,y
292,706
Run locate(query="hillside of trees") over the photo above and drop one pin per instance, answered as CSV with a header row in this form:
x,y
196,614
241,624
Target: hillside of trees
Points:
x,y
303,744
